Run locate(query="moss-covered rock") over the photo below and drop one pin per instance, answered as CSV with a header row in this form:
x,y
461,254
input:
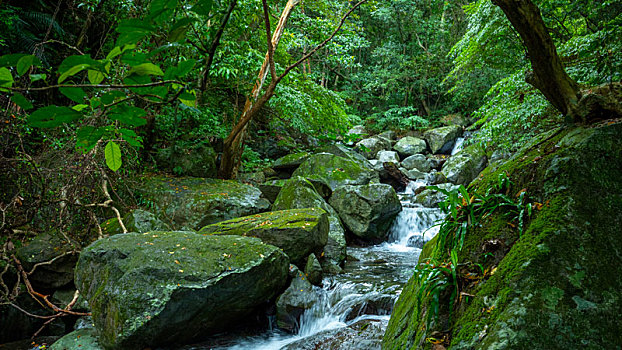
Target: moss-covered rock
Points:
x,y
313,270
300,193
442,139
419,162
556,286
161,288
409,145
464,166
137,220
291,161
367,210
370,147
297,298
334,171
270,189
45,248
299,232
430,198
345,152
81,339
190,203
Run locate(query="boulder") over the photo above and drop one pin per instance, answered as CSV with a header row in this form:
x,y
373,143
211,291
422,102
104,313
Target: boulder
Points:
x,y
371,146
357,130
191,203
290,162
334,171
298,232
415,241
345,152
297,298
441,140
430,198
83,339
270,189
465,165
299,193
389,135
409,145
556,284
49,247
362,335
413,174
313,270
159,288
380,304
435,177
367,210
137,220
189,160
417,161
253,178
388,156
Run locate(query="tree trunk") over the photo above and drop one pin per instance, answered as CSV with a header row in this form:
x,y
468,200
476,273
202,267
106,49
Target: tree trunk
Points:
x,y
549,75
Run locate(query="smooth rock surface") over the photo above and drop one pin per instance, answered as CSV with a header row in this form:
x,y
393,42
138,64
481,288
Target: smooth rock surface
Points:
x,y
465,165
441,140
334,171
409,145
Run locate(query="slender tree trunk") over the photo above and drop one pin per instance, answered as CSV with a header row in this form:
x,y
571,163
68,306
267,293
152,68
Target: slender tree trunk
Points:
x,y
549,75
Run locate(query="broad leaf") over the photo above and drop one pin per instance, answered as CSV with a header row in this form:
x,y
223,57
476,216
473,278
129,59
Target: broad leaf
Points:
x,y
146,69
80,107
11,59
162,10
112,153
118,50
21,101
87,137
6,78
131,31
77,95
188,98
203,7
131,137
110,96
178,31
95,77
75,64
183,68
52,116
129,115
26,62
37,77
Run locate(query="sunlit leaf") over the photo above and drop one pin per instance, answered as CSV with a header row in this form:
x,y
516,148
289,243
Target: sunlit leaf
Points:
x,y
95,77
112,153
146,69
24,63
87,137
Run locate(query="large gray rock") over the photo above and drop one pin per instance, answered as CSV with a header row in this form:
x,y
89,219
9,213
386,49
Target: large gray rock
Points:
x,y
299,232
334,171
297,298
270,189
291,161
137,220
388,156
299,193
367,210
45,248
441,140
389,135
345,152
371,146
465,165
313,270
150,290
409,145
413,174
191,203
417,161
189,160
357,130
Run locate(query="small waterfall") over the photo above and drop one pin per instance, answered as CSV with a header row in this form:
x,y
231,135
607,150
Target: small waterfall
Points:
x,y
412,222
458,145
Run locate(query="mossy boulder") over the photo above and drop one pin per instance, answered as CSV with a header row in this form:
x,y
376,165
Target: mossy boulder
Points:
x,y
430,198
290,162
137,220
188,203
367,210
556,286
313,270
82,339
345,152
410,145
158,288
299,232
45,248
388,156
300,193
270,189
417,161
189,160
464,166
334,171
370,147
297,298
441,140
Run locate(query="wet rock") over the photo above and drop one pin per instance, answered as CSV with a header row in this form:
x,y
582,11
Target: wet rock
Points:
x,y
155,289
417,161
362,335
137,220
394,177
441,140
63,297
465,165
345,152
298,232
290,162
378,305
413,174
189,160
16,325
191,203
299,193
297,298
44,248
313,270
83,339
270,189
415,241
371,146
367,210
334,171
430,198
388,156
409,145
435,178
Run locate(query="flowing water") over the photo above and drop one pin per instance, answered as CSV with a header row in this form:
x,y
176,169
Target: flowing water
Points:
x,y
372,280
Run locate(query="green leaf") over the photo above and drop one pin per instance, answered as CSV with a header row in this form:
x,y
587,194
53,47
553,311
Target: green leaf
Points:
x,y
21,101
183,68
162,10
11,59
110,96
80,107
95,77
135,79
26,62
130,137
129,115
146,69
112,153
6,78
87,137
37,77
131,31
188,98
75,64
77,95
203,7
118,50
178,31
52,116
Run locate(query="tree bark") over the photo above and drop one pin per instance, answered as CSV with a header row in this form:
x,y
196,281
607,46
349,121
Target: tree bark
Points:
x,y
549,75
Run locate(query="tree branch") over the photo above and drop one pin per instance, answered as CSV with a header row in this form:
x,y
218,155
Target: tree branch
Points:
x,y
98,86
266,13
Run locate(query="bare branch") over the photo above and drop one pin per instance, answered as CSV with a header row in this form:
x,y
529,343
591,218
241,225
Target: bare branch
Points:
x,y
266,14
98,86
